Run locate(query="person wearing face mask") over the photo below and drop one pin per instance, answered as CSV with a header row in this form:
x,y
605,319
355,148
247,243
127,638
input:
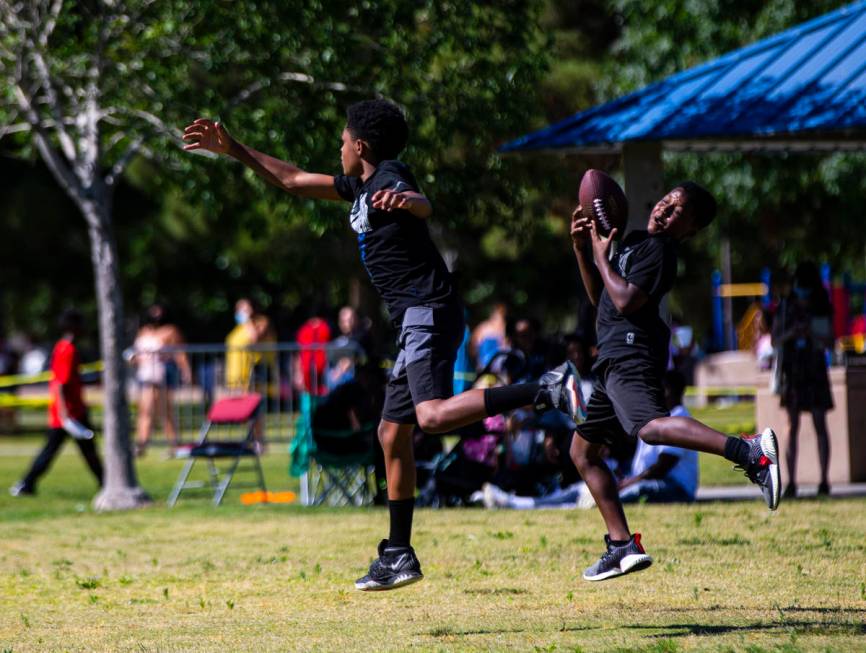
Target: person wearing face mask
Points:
x,y
239,361
802,335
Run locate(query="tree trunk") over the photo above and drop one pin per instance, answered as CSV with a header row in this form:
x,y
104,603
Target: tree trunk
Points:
x,y
120,490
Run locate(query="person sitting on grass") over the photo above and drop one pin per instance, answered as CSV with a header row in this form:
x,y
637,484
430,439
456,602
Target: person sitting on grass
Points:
x,y
659,474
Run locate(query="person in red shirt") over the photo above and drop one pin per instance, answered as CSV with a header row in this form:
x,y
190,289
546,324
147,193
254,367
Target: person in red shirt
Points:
x,y
67,414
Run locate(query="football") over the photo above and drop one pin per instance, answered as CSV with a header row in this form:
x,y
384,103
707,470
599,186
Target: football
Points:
x,y
604,201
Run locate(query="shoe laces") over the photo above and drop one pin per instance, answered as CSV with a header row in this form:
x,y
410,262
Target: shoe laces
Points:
x,y
755,466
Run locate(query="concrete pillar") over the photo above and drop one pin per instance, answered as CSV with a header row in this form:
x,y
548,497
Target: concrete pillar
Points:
x,y
644,180
644,186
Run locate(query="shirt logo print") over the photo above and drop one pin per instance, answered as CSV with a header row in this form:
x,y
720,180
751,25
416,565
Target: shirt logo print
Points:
x,y
629,338
622,264
358,217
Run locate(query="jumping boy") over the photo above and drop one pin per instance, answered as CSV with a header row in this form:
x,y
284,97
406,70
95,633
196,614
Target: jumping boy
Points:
x,y
388,214
628,399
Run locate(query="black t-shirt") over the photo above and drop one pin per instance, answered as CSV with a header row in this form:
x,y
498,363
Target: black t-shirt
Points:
x,y
401,259
650,263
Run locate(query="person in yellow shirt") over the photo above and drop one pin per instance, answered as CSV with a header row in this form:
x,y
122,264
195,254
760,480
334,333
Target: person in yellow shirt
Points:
x,y
239,361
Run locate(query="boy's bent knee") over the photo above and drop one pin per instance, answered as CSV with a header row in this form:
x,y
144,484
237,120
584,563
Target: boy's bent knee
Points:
x,y
653,431
429,418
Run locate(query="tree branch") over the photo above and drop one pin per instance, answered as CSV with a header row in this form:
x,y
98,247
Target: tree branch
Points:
x,y
14,129
55,162
66,142
49,23
120,165
301,78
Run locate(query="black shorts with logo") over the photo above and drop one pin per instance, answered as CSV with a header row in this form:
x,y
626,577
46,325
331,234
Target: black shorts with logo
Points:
x,y
424,370
627,395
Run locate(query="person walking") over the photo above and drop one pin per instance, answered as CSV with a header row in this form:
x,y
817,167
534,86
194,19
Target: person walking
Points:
x,y
67,413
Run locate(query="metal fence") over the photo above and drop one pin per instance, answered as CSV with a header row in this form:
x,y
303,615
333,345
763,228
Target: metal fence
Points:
x,y
171,389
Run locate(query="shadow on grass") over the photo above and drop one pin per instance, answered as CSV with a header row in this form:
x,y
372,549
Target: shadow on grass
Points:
x,y
801,626
448,631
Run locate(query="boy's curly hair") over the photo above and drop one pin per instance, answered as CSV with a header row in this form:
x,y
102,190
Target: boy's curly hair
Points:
x,y
381,124
702,201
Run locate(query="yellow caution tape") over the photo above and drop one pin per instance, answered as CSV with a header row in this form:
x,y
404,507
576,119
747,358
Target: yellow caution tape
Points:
x,y
14,380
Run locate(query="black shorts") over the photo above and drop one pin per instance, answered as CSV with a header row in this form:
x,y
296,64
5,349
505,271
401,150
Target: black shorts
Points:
x,y
424,370
627,395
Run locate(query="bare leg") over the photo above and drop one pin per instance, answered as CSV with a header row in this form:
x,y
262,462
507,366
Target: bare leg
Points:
x,y
168,420
819,419
145,416
442,415
396,440
601,483
791,454
684,432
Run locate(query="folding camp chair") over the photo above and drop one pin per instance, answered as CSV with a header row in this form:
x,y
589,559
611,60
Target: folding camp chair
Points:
x,y
227,419
342,471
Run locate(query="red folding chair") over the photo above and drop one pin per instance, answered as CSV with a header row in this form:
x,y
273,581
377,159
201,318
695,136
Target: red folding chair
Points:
x,y
227,419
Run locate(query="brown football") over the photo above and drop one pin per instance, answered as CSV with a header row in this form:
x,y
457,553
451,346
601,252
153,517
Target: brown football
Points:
x,y
602,200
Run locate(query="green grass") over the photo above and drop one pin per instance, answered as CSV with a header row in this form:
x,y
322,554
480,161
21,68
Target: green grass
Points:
x,y
727,577
733,419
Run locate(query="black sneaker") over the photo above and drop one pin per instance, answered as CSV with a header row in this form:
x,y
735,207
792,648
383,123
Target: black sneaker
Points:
x,y
395,567
21,489
763,469
560,388
619,560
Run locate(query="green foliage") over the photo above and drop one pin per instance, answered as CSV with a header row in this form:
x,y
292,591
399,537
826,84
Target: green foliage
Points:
x,y
280,76
198,232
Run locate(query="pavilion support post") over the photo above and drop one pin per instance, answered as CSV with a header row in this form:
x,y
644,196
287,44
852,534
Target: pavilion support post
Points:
x,y
644,180
644,186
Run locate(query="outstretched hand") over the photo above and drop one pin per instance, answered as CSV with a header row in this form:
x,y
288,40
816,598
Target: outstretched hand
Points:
x,y
204,134
601,244
389,200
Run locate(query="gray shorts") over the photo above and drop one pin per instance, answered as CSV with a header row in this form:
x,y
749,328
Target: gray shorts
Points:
x,y
424,370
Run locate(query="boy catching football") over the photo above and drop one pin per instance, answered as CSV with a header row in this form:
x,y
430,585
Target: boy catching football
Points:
x,y
628,398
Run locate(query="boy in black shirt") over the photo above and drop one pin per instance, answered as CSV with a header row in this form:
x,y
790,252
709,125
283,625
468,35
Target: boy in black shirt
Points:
x,y
405,267
628,397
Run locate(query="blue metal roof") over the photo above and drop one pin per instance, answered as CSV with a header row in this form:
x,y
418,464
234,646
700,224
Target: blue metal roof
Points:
x,y
804,85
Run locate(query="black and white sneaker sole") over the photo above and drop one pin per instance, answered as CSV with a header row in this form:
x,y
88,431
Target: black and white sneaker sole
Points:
x,y
399,581
770,448
571,388
628,565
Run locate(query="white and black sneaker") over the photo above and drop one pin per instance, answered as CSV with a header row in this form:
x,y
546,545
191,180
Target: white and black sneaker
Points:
x,y
560,389
619,560
21,489
763,468
395,567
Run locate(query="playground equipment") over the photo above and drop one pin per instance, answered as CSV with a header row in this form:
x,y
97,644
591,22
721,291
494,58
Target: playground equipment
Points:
x,y
846,296
724,335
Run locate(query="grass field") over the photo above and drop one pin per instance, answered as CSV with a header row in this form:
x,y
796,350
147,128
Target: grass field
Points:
x,y
727,577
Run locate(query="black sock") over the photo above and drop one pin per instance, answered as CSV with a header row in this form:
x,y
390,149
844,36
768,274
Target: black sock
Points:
x,y
620,542
401,521
737,451
509,397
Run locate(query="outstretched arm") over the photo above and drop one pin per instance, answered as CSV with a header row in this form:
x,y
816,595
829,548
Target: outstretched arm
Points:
x,y
580,240
626,297
205,134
